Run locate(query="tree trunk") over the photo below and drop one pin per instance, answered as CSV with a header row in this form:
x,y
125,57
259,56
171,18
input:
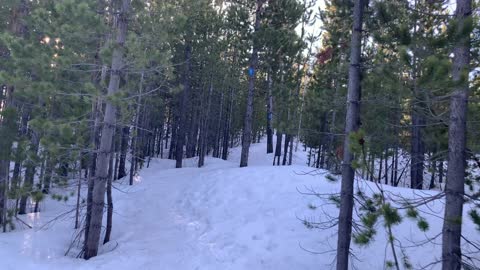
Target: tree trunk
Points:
x,y
290,150
96,107
105,149
77,208
380,169
322,156
192,136
204,129
432,177
185,98
136,133
278,149
417,151
108,230
440,172
285,148
269,113
386,167
318,162
29,172
247,127
227,127
169,124
352,124
173,140
457,130
393,165
122,172
7,133
216,145
309,157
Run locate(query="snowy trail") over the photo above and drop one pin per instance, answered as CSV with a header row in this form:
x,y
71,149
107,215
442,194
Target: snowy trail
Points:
x,y
216,217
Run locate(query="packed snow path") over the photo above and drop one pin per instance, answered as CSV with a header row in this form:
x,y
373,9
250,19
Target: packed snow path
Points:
x,y
217,217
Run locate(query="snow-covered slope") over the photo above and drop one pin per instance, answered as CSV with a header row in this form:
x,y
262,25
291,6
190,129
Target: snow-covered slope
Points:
x,y
218,217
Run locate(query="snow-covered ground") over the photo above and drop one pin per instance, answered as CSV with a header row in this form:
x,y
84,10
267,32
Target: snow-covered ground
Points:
x,y
219,217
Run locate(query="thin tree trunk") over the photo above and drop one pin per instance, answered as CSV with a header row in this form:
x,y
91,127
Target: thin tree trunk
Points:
x,y
29,172
247,127
322,156
192,136
96,107
108,230
319,157
290,150
457,130
115,170
386,166
169,124
122,172
352,125
278,149
228,124
379,178
79,189
433,172
269,113
136,134
16,178
173,140
418,122
105,149
216,146
417,153
7,133
309,157
440,172
180,142
285,148
204,132
4,168
394,161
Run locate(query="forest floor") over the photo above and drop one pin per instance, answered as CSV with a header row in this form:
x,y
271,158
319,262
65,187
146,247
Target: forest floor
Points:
x,y
222,217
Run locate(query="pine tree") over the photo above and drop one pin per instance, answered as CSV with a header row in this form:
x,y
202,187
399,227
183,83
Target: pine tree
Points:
x,y
352,126
455,186
105,147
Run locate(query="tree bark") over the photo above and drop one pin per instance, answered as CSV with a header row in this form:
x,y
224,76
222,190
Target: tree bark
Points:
x,y
440,172
269,113
105,149
386,167
108,230
218,130
7,133
29,172
122,172
352,125
433,172
180,142
278,149
204,129
380,170
417,151
285,148
247,127
457,130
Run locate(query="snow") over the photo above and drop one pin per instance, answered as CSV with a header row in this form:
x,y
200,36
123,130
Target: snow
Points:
x,y
220,217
